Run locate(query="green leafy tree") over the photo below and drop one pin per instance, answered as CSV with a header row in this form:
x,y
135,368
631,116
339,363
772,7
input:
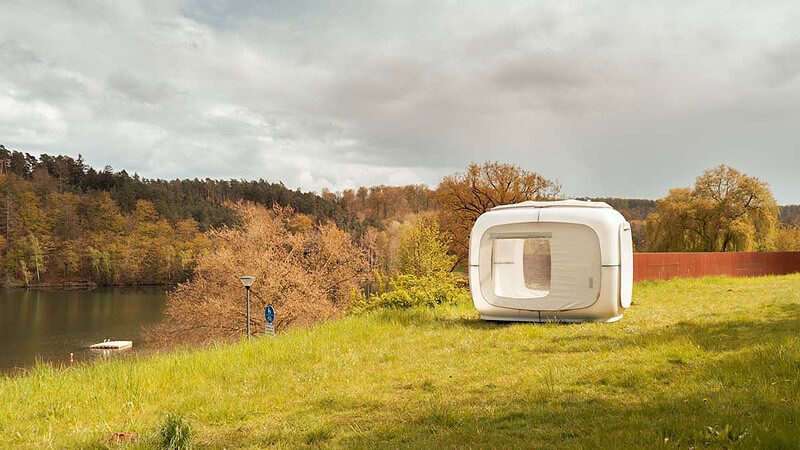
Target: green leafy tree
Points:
x,y
36,253
424,279
725,211
101,264
70,257
423,249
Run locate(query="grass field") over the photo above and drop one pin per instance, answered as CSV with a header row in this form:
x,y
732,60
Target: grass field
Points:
x,y
706,363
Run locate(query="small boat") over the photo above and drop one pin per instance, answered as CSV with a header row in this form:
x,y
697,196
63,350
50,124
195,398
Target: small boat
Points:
x,y
112,345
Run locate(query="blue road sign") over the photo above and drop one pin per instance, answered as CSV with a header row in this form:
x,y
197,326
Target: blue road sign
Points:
x,y
269,313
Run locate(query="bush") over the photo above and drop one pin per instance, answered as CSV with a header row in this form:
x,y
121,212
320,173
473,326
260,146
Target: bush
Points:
x,y
306,274
425,280
406,291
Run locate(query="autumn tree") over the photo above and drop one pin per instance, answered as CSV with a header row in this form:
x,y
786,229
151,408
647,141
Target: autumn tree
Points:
x,y
26,228
376,243
382,245
301,223
361,195
378,203
418,197
790,215
725,211
349,199
787,238
464,196
307,275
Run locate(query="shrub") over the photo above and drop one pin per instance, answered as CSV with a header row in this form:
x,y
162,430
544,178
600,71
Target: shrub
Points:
x,y
406,291
306,275
425,278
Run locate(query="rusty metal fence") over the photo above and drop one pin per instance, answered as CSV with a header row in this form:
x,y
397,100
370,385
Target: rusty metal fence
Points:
x,y
663,266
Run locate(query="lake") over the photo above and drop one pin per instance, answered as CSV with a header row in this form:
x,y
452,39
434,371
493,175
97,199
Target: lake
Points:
x,y
49,324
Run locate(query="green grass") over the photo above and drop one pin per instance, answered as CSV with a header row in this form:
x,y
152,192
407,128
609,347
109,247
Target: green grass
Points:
x,y
701,363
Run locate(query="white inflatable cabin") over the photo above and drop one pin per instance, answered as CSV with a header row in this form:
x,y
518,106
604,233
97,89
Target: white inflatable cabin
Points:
x,y
558,261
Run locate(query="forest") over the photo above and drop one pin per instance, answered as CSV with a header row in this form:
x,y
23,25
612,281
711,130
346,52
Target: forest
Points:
x,y
64,222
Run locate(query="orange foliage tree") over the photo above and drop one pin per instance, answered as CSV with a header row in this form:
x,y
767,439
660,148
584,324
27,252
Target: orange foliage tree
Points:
x,y
464,196
306,274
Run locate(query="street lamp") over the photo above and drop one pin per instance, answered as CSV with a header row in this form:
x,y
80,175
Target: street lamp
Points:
x,y
248,281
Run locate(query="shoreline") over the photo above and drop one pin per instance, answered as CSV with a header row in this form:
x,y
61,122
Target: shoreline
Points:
x,y
82,286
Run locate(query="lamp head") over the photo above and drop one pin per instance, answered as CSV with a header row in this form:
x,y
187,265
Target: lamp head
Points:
x,y
247,280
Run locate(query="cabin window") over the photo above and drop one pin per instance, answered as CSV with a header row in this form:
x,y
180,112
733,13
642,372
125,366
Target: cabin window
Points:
x,y
521,266
536,265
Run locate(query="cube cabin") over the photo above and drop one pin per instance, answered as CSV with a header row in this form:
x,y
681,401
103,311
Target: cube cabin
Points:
x,y
562,261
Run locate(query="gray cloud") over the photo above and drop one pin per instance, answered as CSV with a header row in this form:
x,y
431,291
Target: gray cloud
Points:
x,y
625,99
539,73
149,91
14,54
783,64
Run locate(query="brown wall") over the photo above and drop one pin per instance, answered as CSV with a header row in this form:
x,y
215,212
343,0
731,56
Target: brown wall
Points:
x,y
663,266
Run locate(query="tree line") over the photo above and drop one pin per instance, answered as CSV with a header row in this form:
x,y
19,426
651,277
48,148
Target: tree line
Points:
x,y
205,201
726,210
63,221
51,237
66,221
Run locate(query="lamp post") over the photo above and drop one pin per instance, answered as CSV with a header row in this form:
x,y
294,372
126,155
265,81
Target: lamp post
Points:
x,y
248,281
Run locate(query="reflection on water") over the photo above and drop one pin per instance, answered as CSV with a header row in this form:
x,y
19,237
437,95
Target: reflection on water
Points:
x,y
49,325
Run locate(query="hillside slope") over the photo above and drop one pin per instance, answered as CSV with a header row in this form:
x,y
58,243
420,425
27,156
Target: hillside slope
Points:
x,y
712,362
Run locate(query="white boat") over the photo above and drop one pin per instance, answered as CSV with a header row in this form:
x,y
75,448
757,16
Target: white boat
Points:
x,y
112,345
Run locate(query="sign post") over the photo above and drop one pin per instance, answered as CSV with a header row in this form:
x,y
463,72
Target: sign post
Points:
x,y
269,314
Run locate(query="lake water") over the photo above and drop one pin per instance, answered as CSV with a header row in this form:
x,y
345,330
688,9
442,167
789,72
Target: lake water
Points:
x,y
49,324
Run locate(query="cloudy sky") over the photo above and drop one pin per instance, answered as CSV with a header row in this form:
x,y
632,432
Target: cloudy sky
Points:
x,y
611,98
